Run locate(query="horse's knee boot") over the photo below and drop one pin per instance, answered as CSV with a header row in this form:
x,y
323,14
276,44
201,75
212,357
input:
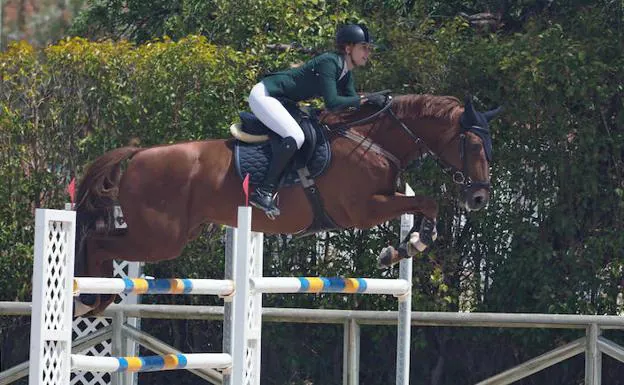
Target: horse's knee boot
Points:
x,y
428,232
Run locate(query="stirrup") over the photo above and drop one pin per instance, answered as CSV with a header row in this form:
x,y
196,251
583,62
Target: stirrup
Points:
x,y
270,209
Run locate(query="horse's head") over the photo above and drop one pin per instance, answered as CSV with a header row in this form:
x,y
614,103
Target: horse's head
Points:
x,y
460,140
471,161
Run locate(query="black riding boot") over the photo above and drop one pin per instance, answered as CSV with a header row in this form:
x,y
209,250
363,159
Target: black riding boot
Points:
x,y
263,196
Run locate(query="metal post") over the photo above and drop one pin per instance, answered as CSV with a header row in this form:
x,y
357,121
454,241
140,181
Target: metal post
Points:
x,y
117,349
351,353
593,356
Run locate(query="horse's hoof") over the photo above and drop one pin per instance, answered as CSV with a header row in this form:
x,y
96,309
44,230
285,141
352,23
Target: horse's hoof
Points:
x,y
385,257
390,256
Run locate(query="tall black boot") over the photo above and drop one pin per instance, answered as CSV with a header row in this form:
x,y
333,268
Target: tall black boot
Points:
x,y
263,196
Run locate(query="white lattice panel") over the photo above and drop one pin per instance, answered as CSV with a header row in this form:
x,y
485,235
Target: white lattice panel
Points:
x,y
53,368
254,314
50,333
54,268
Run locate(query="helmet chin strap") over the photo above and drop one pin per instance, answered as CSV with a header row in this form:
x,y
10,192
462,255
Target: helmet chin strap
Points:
x,y
350,63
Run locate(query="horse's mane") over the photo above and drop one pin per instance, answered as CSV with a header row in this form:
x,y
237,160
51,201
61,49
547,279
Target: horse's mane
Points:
x,y
415,106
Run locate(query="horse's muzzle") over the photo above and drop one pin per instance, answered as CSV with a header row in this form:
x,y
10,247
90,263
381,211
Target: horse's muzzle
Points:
x,y
475,197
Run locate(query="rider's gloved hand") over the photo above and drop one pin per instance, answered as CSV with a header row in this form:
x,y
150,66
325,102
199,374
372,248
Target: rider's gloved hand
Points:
x,y
377,100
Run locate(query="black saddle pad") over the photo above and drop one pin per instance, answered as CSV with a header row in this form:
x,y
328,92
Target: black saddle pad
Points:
x,y
254,158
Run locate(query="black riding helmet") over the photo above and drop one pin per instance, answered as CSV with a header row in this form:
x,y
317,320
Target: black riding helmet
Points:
x,y
352,34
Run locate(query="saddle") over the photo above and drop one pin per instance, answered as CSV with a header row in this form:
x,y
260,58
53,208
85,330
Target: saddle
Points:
x,y
254,149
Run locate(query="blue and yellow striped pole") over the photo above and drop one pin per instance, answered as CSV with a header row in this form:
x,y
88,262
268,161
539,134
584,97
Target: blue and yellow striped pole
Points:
x,y
151,363
89,285
397,287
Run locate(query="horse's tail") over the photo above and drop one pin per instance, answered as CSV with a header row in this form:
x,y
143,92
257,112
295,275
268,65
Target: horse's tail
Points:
x,y
97,194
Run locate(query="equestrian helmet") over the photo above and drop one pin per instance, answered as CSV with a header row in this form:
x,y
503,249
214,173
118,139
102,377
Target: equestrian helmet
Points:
x,y
352,34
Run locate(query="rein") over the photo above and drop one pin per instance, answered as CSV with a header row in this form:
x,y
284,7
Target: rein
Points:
x,y
367,119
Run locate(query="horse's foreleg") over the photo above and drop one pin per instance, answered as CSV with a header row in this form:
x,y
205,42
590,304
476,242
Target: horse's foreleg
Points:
x,y
380,208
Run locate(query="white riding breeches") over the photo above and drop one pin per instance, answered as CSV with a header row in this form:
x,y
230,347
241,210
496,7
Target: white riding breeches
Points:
x,y
274,115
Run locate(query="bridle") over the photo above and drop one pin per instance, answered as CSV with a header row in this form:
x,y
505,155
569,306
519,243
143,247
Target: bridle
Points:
x,y
459,176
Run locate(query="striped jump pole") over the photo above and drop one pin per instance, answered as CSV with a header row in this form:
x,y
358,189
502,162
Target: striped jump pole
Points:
x,y
152,286
397,287
150,363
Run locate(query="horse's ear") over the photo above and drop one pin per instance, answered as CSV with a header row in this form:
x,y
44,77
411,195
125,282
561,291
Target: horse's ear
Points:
x,y
469,111
491,114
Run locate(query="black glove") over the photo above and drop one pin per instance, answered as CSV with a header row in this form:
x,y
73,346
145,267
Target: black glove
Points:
x,y
377,100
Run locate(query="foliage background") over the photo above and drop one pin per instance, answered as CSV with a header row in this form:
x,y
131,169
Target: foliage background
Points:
x,y
551,240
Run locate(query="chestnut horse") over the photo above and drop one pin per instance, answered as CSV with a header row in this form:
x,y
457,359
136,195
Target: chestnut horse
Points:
x,y
167,193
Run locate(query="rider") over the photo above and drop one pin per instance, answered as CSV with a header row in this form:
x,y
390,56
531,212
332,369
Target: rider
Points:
x,y
327,75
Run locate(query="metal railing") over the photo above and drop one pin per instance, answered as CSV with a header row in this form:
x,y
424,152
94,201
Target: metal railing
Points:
x,y
593,344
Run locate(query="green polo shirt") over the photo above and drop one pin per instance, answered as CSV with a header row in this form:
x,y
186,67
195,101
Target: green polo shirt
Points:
x,y
316,78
